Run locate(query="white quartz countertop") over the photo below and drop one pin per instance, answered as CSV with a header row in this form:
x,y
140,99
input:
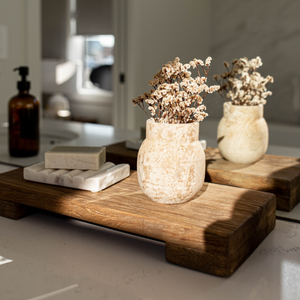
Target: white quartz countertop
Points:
x,y
54,257
46,256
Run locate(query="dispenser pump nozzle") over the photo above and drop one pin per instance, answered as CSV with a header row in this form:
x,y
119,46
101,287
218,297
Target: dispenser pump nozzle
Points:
x,y
23,85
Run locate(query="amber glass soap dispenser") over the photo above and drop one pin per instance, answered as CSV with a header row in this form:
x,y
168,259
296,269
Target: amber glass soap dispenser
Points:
x,y
23,112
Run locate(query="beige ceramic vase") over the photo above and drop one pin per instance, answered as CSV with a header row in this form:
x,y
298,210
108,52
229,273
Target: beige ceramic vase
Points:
x,y
243,134
171,162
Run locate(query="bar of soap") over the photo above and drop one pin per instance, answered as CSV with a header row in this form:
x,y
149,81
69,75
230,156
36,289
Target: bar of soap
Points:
x,y
75,158
90,180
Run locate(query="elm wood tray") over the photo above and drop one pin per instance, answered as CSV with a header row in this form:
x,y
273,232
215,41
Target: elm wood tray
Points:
x,y
214,233
274,174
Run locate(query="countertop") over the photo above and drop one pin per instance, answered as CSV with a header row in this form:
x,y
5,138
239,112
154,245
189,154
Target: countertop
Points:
x,y
54,257
46,256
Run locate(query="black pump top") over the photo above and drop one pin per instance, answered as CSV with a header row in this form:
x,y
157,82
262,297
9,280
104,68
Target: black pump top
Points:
x,y
23,85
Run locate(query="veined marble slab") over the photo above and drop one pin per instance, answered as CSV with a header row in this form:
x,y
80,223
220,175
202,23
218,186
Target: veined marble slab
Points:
x,y
90,180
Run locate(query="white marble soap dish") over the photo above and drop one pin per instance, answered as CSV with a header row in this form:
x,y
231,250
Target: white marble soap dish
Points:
x,y
90,180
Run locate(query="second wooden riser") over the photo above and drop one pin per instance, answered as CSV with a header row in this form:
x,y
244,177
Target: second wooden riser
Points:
x,y
272,173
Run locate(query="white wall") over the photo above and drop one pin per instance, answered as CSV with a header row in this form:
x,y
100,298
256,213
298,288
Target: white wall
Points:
x,y
54,31
269,29
22,20
157,32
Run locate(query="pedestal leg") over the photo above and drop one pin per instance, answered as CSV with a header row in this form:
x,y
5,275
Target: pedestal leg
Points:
x,y
198,260
13,210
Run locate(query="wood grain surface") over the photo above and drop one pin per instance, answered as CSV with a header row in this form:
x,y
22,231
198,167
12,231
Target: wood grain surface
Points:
x,y
272,173
214,233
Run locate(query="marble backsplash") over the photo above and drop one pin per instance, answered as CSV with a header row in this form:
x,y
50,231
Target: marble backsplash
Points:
x,y
266,28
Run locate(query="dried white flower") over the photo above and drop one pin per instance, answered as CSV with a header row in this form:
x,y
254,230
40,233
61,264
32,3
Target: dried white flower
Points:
x,y
176,95
243,85
208,61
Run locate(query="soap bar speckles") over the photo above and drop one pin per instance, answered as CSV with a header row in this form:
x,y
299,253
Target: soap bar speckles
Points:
x,y
75,158
90,180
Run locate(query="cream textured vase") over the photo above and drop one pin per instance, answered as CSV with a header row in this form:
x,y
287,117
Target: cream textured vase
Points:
x,y
243,134
171,162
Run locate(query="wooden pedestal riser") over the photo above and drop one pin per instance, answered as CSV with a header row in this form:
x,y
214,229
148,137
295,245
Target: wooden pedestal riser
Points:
x,y
214,233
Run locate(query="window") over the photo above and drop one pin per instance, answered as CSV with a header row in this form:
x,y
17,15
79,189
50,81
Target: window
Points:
x,y
98,56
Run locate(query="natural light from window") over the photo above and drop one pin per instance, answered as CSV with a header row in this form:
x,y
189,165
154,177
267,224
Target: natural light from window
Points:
x,y
98,52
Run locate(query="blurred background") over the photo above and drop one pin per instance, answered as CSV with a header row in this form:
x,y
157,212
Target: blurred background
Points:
x,y
89,58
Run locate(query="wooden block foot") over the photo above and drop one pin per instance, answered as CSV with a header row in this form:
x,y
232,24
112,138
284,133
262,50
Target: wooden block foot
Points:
x,y
13,210
198,260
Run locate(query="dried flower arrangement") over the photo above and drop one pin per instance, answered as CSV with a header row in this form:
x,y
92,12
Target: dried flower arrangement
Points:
x,y
242,83
175,97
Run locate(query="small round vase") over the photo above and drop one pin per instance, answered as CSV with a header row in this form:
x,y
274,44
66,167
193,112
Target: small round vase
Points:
x,y
171,162
243,134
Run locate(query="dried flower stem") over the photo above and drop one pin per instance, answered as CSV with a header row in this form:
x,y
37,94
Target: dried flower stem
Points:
x,y
143,109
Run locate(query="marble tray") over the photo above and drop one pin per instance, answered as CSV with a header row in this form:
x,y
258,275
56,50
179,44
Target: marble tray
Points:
x,y
90,180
